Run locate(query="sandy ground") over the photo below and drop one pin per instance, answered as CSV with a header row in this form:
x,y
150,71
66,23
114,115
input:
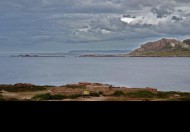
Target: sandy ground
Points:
x,y
102,98
29,95
21,95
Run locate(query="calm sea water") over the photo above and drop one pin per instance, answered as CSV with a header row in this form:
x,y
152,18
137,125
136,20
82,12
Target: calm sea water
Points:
x,y
167,74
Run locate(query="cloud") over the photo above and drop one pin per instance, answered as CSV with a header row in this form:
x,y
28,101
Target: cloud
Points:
x,y
160,12
63,21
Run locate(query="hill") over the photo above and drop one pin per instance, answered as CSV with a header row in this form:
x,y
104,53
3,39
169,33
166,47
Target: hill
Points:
x,y
163,48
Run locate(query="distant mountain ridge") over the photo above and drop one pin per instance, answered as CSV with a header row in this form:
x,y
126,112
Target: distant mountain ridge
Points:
x,y
163,47
97,52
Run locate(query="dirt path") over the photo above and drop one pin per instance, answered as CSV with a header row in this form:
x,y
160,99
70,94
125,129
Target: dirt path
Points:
x,y
93,99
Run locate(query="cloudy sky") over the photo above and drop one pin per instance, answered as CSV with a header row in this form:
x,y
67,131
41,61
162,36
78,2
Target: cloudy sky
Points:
x,y
63,25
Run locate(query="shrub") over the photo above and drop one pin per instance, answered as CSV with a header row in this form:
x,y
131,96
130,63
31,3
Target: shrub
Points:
x,y
74,96
42,97
118,93
12,99
141,94
164,94
1,98
95,94
57,97
184,99
100,93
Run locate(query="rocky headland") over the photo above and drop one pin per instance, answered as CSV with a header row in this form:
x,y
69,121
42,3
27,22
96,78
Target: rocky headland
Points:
x,y
163,48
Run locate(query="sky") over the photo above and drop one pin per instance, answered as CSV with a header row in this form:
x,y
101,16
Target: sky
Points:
x,y
64,25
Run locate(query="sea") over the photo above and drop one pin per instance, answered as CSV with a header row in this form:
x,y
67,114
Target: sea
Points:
x,y
163,73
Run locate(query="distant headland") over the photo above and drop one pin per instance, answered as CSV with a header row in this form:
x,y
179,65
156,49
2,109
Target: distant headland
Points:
x,y
163,48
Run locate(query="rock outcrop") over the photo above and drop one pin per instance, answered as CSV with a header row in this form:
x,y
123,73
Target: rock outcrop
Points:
x,y
163,45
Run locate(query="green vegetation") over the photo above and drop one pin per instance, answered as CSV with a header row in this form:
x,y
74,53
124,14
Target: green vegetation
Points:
x,y
12,88
118,93
57,97
94,94
101,93
182,97
12,99
141,94
1,98
74,96
180,53
41,97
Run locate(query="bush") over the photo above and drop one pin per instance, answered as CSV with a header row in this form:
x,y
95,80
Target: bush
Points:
x,y
42,97
1,98
57,97
100,93
74,96
118,93
95,94
12,99
141,94
164,94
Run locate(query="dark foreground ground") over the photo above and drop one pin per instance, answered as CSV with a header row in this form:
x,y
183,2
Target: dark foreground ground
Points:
x,y
86,92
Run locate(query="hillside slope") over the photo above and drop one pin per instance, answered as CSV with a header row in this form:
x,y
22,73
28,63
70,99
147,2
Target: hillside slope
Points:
x,y
163,47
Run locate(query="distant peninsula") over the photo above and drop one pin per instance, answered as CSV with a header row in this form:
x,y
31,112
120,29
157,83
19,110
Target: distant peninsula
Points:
x,y
163,48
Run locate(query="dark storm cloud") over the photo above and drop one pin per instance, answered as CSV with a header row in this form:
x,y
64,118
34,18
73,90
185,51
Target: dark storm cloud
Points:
x,y
160,12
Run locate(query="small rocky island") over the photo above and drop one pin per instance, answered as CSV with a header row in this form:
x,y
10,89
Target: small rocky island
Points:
x,y
86,91
39,55
163,48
